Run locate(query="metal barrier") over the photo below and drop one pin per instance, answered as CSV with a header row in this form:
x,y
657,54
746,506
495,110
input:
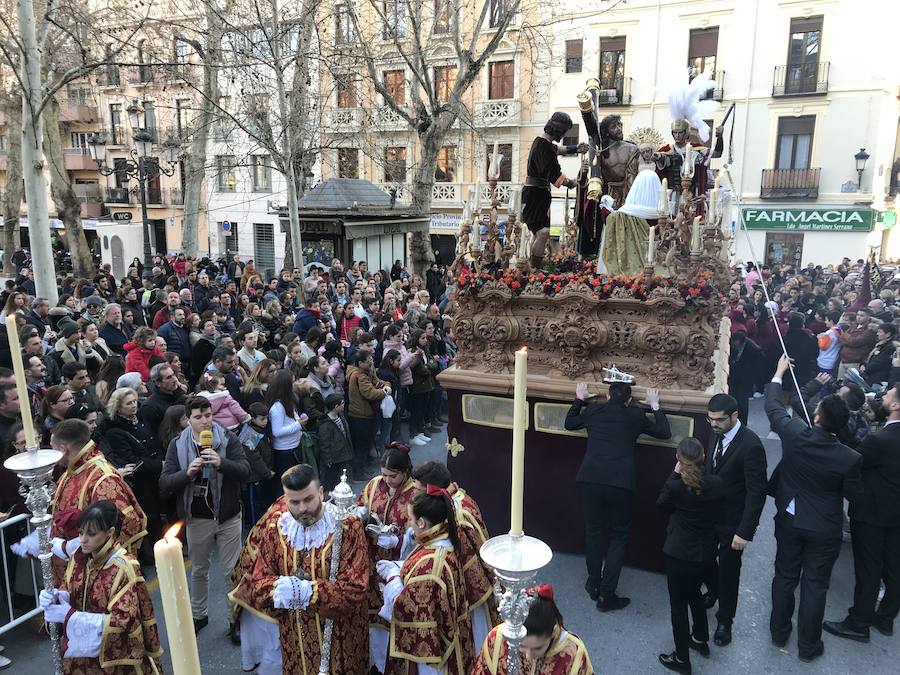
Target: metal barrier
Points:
x,y
17,620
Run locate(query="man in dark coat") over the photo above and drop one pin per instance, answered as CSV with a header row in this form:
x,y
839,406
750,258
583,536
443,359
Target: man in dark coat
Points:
x,y
810,483
738,457
607,479
803,349
875,526
166,394
745,361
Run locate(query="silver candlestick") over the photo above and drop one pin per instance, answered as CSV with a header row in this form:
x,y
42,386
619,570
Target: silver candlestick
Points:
x,y
342,506
35,470
516,559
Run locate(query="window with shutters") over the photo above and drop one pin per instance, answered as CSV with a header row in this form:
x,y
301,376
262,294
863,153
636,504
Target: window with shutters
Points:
x,y
499,10
264,249
446,165
442,9
394,19
501,80
444,81
348,163
346,91
803,55
262,173
343,25
612,64
702,47
395,165
505,150
395,83
574,54
795,136
227,174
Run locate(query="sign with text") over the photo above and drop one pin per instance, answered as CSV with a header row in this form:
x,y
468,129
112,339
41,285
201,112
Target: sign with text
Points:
x,y
808,220
122,216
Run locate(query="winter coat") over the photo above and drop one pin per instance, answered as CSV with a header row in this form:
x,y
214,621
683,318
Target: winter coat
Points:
x,y
363,392
226,411
334,446
878,365
856,343
258,449
130,442
312,400
137,359
116,338
177,339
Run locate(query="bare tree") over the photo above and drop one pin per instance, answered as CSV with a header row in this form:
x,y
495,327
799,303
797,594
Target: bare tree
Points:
x,y
411,26
11,109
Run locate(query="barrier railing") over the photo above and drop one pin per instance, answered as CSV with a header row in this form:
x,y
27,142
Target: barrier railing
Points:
x,y
14,560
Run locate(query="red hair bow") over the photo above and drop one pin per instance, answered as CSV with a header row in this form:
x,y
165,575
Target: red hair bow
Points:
x,y
544,591
66,522
435,491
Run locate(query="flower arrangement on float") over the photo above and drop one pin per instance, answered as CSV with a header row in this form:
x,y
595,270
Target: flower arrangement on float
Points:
x,y
562,271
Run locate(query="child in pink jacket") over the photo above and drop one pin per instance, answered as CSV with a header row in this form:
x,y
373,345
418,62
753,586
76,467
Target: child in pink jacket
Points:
x,y
226,411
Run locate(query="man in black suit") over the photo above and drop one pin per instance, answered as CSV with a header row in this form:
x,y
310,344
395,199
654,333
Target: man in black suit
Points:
x,y
737,456
810,483
875,526
745,361
607,481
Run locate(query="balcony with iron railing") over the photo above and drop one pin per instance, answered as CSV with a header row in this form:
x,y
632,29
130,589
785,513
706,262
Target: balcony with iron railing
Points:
x,y
717,93
174,196
790,183
117,195
618,95
343,120
115,134
91,199
498,112
140,74
802,79
78,107
452,194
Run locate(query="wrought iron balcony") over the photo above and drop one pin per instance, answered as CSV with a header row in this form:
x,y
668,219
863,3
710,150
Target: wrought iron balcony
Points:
x,y
802,79
718,92
619,95
117,195
790,183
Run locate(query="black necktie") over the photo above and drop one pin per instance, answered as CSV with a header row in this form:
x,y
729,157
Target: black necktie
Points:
x,y
720,450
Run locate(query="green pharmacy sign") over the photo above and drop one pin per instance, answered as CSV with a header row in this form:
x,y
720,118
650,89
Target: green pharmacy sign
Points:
x,y
829,220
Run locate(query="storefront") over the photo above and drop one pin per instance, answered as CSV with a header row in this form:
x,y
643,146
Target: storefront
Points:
x,y
799,236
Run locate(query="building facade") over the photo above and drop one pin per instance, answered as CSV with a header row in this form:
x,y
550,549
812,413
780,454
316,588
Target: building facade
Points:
x,y
807,100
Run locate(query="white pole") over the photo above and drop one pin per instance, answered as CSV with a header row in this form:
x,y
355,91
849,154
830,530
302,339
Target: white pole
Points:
x,y
33,157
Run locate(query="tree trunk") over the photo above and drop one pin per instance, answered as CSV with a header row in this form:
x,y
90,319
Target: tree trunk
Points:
x,y
68,206
421,253
12,195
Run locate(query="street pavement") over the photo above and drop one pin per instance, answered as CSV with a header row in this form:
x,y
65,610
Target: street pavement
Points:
x,y
626,641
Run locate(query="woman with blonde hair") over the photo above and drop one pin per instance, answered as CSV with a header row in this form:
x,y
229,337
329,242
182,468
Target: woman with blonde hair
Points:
x,y
254,389
693,501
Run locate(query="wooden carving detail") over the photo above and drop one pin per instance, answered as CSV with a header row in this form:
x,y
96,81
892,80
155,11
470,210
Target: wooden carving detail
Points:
x,y
662,341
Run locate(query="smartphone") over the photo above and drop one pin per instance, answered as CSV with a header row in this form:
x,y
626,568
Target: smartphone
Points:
x,y
137,466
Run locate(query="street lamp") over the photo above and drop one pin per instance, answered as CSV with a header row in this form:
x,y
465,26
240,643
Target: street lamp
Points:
x,y
141,165
861,158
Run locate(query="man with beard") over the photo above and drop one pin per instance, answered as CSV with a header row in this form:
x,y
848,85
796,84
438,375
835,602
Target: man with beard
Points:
x,y
288,585
618,160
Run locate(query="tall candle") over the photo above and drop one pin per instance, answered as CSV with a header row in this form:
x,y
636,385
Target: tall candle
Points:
x,y
696,243
664,197
520,418
717,181
713,203
514,201
477,206
688,160
651,245
494,165
12,333
176,603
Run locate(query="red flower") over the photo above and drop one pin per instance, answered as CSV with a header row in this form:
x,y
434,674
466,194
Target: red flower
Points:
x,y
515,285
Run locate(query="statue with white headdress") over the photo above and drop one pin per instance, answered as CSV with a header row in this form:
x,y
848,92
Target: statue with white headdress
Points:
x,y
627,231
689,112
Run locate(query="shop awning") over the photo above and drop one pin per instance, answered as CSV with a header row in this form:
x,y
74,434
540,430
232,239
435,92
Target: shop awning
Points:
x,y
375,228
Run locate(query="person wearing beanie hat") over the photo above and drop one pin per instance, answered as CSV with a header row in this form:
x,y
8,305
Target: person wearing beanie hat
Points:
x,y
93,307
543,172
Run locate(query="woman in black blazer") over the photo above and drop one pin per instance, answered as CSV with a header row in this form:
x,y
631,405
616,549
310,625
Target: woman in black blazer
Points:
x,y
693,500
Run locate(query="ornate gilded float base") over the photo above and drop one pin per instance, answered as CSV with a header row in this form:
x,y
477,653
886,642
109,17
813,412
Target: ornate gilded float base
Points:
x,y
662,341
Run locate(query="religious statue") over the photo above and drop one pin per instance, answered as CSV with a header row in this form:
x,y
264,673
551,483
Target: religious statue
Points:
x,y
544,171
688,114
618,159
628,229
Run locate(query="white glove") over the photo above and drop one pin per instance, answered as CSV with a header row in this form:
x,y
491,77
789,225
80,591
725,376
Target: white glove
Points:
x,y
409,543
27,546
388,541
47,598
389,592
292,593
55,612
64,549
362,512
387,569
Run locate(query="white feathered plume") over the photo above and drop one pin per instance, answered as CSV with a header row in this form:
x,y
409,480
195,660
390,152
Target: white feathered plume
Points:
x,y
685,103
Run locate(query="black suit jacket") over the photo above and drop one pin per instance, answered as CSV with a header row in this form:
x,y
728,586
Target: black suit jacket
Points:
x,y
691,533
743,470
612,431
816,470
880,504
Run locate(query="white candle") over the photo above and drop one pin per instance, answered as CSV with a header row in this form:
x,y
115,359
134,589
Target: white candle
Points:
x,y
176,603
514,200
477,205
12,333
713,202
664,197
520,417
696,242
494,166
651,245
717,181
687,168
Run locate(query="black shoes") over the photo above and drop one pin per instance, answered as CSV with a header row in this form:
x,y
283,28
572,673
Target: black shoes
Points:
x,y
883,625
592,590
710,600
846,629
672,662
701,648
813,655
200,624
780,642
612,602
722,636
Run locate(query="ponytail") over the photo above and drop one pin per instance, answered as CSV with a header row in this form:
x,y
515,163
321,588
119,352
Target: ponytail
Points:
x,y
435,506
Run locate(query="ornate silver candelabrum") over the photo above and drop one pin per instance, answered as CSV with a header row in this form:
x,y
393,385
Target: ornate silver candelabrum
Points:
x,y
35,470
342,506
516,558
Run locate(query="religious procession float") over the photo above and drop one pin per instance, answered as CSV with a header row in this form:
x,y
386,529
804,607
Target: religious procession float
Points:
x,y
632,292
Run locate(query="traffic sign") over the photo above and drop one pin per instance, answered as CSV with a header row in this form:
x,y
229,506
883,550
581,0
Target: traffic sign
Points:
x,y
226,226
122,216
